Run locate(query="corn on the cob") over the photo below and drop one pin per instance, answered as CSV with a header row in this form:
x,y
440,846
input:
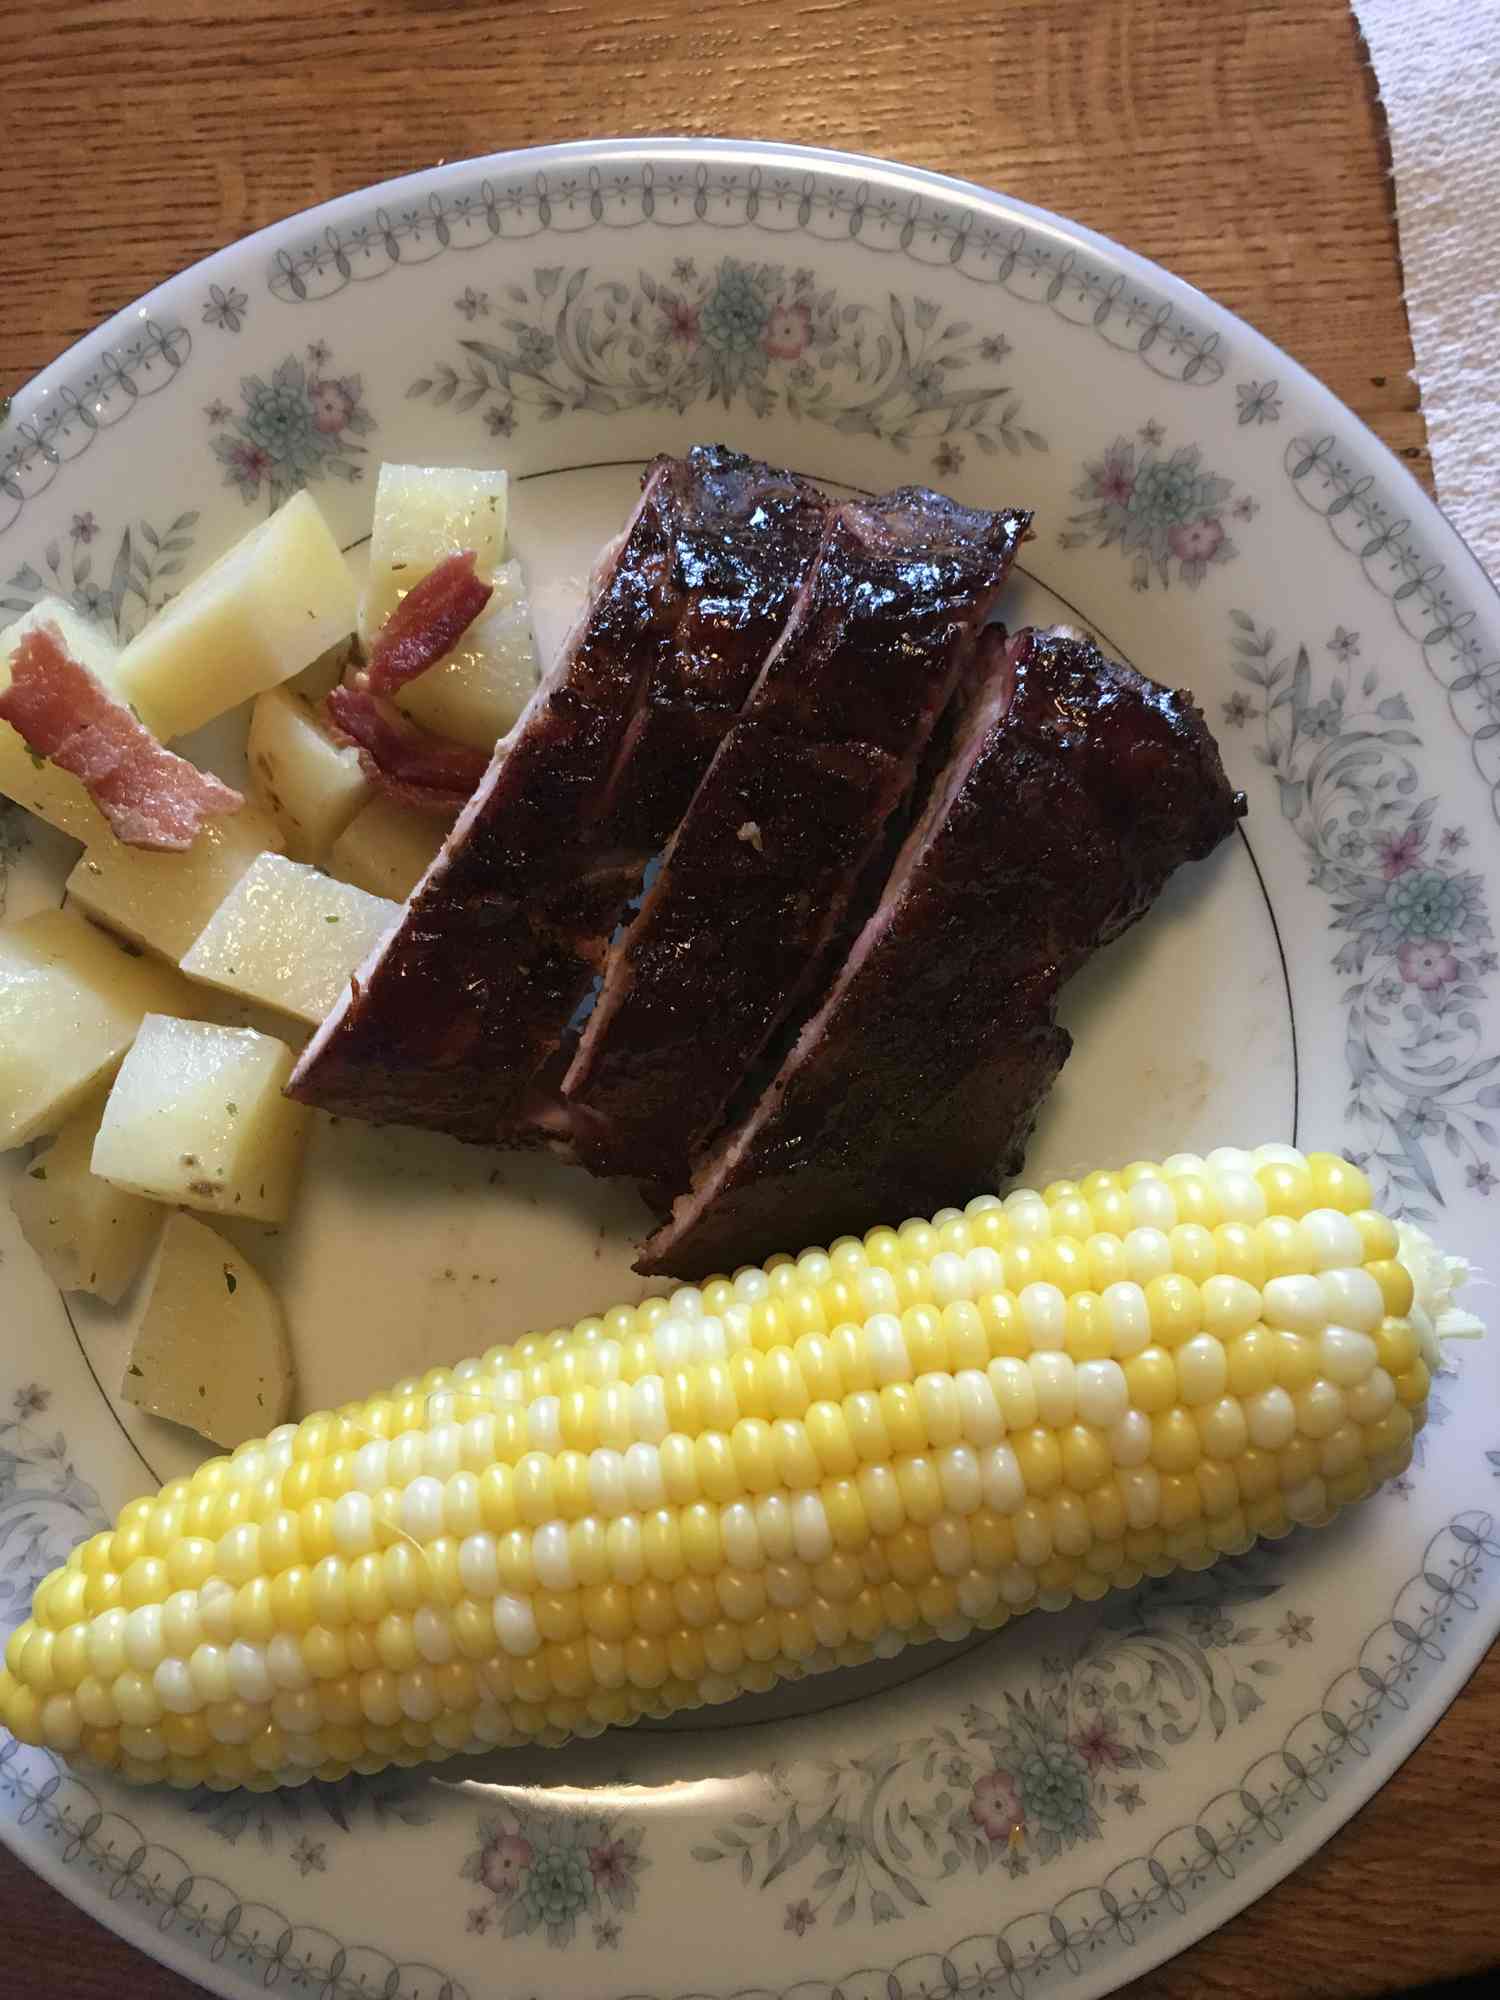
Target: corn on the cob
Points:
x,y
911,1436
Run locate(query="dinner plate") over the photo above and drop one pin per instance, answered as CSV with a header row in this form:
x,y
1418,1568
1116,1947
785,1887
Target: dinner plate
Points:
x,y
1214,516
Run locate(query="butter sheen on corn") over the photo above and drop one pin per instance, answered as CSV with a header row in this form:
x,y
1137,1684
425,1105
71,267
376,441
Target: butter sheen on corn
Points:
x,y
906,1437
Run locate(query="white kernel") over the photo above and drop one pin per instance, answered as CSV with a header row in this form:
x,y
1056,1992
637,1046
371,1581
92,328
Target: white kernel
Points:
x,y
952,1547
1148,1254
1340,1451
1000,1479
544,1424
479,1446
552,1558
1326,1239
982,1204
1029,1217
247,1463
876,1291
1152,1205
1353,1298
687,1302
515,1626
978,1408
249,1675
444,1452
773,1521
1270,1419
216,1610
292,1712
1015,1391
1017,1584
440,1408
1296,1303
146,1744
1202,1369
713,1342
740,1536
1346,1357
1056,1399
284,1662
1307,1503
815,1267
1320,1407
949,1276
607,1487
1033,1531
372,1466
1368,1401
960,1478
510,1386
306,1751
1102,1393
1130,1439
605,1360
1140,1489
1228,1160
1128,1318
432,1636
1177,1164
1276,1153
280,1455
422,1508
986,1271
144,1645
468,1372
209,1667
1241,1197
885,1349
787,1585
673,1342
283,1434
479,1566
750,1284
811,1535
1222,1429
417,1695
1044,1314
643,1479
353,1524
737,1331
408,1455
887,1645
622,1546
174,1688
648,1409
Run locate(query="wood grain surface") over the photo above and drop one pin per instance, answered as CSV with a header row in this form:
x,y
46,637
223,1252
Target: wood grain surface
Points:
x,y
1239,143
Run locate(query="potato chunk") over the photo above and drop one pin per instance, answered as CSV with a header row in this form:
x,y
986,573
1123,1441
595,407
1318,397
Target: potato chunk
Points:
x,y
211,1350
387,849
476,693
52,794
290,937
423,513
311,785
264,611
161,900
197,1116
71,1000
90,1237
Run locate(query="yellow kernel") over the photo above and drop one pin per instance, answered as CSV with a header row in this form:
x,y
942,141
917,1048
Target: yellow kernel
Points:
x,y
1395,1285
1390,1433
190,1562
1065,1263
898,1606
1151,1377
1072,1532
1040,1458
754,1454
993,1540
1106,1511
104,1592
559,1614
473,1629
1251,1361
317,1531
395,1644
533,1489
679,1469
1412,1385
1087,1335
1174,1441
1180,1501
844,1507
291,1600
921,1491
1176,1313
922,1329
1222,1428
1280,1243
714,1462
1320,1408
578,1413
1238,1252
701,1543
1295,1359
797,1465
1336,1183
360,1640
1288,1188
1396,1346
1086,1458
1296,1463
1108,1263
1377,1235
719,1410
828,1434
1344,1488
652,1606
144,1582
605,1609
909,1554
497,1505
369,1599
254,1618
1218,1489
684,1412
815,1357
902,1414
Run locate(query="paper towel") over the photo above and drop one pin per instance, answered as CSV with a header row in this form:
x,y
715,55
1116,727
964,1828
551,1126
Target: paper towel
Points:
x,y
1437,63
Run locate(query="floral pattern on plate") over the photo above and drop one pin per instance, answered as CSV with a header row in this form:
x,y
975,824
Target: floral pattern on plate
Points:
x,y
1417,921
294,430
1162,509
118,581
547,1871
729,330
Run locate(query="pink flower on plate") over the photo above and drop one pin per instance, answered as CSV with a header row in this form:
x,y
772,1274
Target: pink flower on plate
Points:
x,y
996,1807
788,331
504,1862
1113,479
1100,1744
1400,852
1427,963
681,322
1195,541
609,1863
332,405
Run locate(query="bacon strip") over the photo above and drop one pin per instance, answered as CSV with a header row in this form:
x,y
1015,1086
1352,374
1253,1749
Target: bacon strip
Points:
x,y
428,623
429,772
150,796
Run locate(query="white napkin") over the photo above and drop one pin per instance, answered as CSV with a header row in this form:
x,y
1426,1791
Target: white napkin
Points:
x,y
1437,63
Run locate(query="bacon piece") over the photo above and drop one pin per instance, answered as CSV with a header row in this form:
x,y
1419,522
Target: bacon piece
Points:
x,y
428,623
416,766
150,796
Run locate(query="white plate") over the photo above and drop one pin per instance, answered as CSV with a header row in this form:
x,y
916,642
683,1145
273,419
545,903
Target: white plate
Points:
x,y
1215,516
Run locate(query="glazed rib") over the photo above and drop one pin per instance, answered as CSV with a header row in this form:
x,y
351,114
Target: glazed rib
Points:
x,y
1074,790
759,874
466,1002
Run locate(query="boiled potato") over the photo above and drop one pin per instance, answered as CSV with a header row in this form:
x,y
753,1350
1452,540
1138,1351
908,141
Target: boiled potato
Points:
x,y
423,513
476,693
196,1116
289,937
264,611
163,900
311,785
211,1349
71,1000
90,1237
387,849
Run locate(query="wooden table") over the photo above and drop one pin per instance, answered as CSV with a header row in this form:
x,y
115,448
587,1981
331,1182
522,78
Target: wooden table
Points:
x,y
1239,143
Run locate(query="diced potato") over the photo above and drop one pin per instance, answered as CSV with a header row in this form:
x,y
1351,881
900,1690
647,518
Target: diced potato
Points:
x,y
90,1237
211,1349
54,795
423,513
163,900
196,1116
264,611
289,936
476,693
311,785
387,849
71,1000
